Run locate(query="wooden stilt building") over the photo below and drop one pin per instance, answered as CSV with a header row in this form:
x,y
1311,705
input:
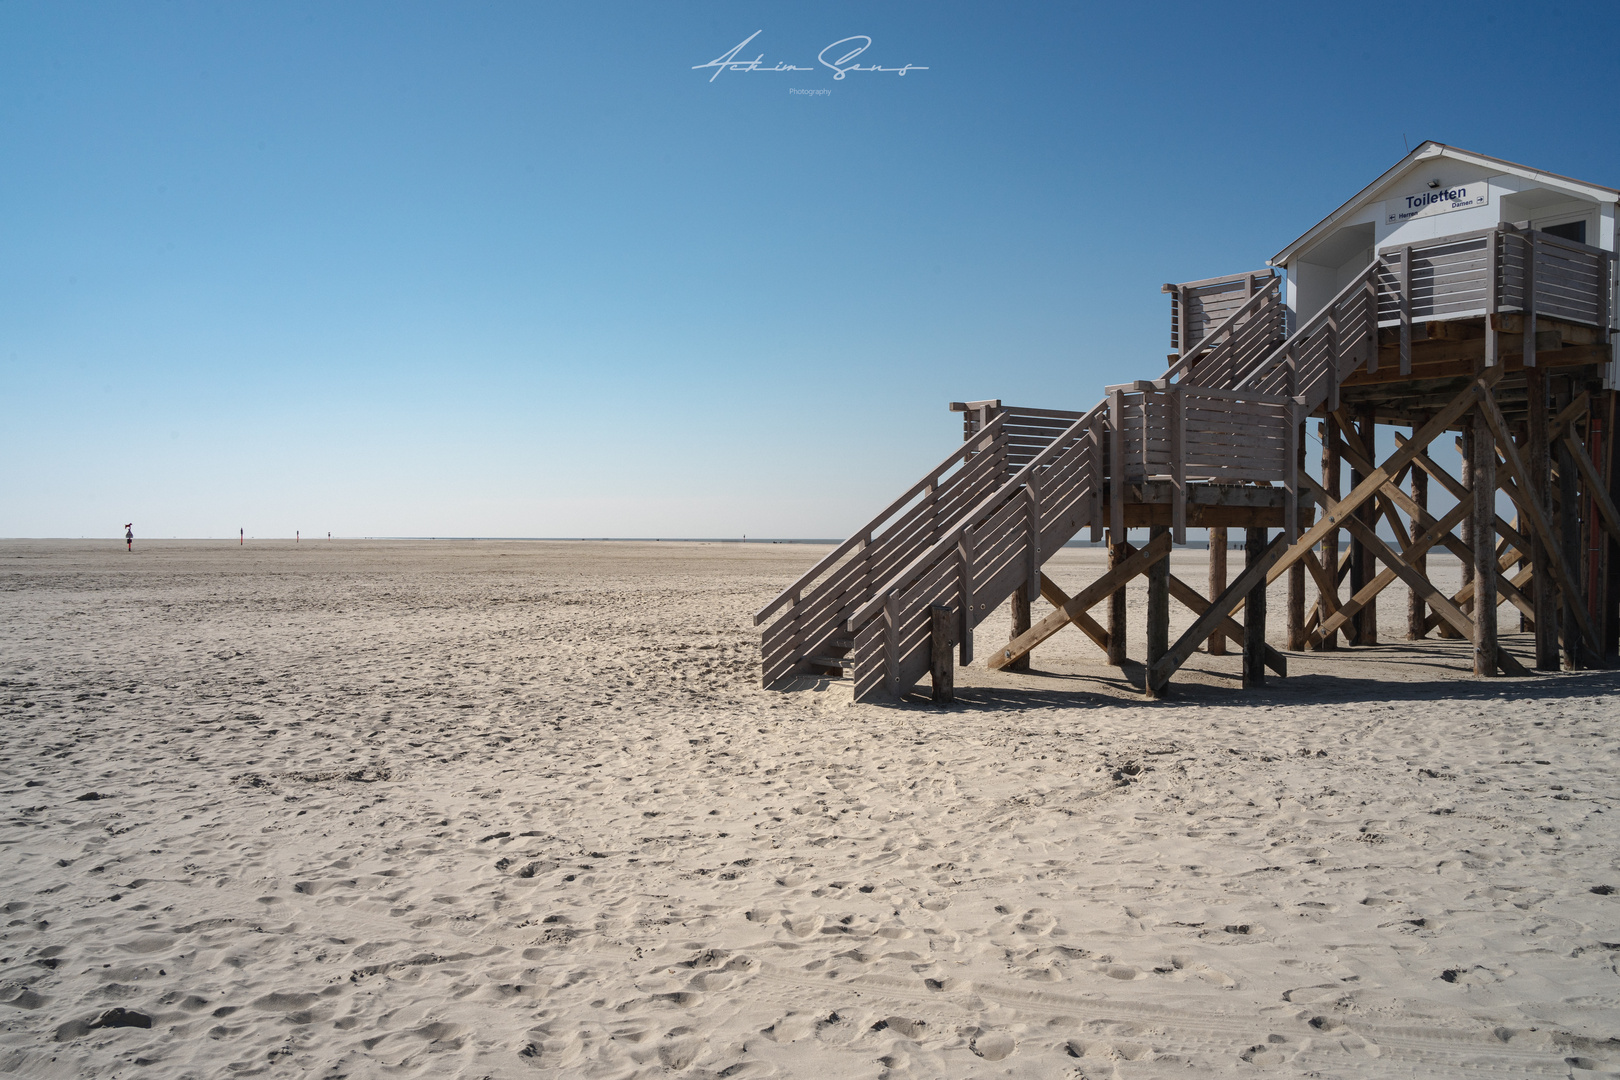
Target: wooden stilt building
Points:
x,y
1457,296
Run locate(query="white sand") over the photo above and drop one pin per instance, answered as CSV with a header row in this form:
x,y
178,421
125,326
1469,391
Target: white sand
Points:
x,y
521,809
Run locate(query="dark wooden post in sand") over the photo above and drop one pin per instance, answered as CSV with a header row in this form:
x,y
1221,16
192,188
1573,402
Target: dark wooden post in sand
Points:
x,y
1362,569
1158,610
1569,537
1118,552
943,645
1296,573
1482,482
1254,614
1544,597
1609,462
1217,581
1417,612
1330,543
1020,623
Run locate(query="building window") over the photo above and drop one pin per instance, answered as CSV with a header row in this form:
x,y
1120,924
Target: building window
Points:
x,y
1569,230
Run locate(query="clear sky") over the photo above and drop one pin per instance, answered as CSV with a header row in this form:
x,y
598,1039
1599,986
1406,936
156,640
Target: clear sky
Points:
x,y
520,270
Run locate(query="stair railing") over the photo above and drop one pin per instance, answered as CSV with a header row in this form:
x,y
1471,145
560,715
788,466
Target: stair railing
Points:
x,y
992,549
818,602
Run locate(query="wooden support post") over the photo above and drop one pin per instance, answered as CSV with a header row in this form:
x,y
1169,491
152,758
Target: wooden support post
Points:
x,y
1417,611
1569,537
1568,584
1118,552
1217,582
1254,613
1465,532
1537,461
1158,607
1609,459
1020,624
1296,573
1362,569
1110,582
1330,543
943,644
1482,475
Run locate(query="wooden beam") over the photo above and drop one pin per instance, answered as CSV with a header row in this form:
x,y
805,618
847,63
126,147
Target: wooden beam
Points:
x,y
1110,582
1219,608
1419,547
942,643
1538,522
1190,598
1254,615
1431,595
1482,471
1118,552
1158,608
1217,582
1594,483
1378,477
1055,596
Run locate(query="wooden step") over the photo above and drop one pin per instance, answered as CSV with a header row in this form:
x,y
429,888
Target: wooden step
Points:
x,y
843,663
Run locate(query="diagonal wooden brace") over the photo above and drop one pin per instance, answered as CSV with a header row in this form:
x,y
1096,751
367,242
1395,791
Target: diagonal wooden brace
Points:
x,y
1085,598
1424,588
1594,484
1374,481
1434,535
1194,601
1529,509
1219,609
1055,596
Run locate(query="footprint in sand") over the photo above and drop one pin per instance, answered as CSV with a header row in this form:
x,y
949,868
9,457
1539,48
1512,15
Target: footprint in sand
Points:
x,y
1274,1051
992,1045
791,1028
804,925
1036,921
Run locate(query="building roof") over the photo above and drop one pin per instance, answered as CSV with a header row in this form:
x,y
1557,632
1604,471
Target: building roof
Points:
x,y
1429,151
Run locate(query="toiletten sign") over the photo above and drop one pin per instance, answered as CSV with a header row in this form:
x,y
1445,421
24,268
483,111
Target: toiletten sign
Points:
x,y
1436,200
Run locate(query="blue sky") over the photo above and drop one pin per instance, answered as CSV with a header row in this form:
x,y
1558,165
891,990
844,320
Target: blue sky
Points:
x,y
519,270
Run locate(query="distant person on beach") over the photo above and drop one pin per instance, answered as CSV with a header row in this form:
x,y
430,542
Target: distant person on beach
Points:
x,y
129,537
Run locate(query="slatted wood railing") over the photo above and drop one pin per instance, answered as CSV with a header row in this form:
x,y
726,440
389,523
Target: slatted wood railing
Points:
x,y
817,605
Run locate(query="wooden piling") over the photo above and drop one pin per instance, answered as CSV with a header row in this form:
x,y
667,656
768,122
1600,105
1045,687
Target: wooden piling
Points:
x,y
1296,573
1417,611
1118,552
943,659
1254,613
1020,623
1158,610
1331,470
1217,581
1362,568
1544,597
1569,538
1608,461
1482,474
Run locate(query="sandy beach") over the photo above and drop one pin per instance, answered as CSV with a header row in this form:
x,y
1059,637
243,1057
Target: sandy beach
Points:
x,y
520,809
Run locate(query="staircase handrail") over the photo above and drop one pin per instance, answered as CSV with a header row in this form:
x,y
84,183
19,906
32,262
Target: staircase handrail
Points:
x,y
1312,324
1200,350
864,535
948,540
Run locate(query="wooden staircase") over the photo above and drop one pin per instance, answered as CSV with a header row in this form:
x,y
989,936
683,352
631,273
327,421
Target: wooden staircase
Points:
x,y
1230,409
